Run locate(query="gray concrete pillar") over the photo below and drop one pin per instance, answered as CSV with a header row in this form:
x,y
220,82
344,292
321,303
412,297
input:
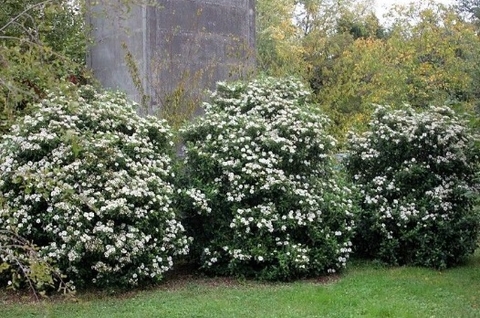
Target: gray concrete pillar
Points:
x,y
171,52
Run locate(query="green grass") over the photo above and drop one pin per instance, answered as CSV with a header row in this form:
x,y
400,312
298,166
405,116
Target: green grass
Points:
x,y
365,290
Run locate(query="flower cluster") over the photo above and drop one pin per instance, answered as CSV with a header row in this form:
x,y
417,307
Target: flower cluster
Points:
x,y
416,173
90,182
263,196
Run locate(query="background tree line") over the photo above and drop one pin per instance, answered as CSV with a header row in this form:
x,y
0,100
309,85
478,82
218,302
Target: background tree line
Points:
x,y
420,55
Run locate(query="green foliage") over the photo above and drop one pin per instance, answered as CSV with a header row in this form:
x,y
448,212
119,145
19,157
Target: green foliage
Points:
x,y
470,8
56,25
136,78
89,182
417,174
367,27
429,62
426,56
263,198
279,50
42,46
21,264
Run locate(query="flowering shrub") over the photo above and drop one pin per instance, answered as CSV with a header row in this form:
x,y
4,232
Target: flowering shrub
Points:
x,y
416,174
264,199
89,182
22,266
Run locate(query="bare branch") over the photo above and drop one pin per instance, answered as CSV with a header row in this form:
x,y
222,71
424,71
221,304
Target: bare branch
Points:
x,y
24,12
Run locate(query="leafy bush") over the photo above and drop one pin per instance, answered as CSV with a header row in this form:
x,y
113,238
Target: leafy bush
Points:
x,y
263,198
23,265
89,182
416,172
43,47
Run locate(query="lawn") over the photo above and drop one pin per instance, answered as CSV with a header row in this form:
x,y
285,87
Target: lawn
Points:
x,y
364,290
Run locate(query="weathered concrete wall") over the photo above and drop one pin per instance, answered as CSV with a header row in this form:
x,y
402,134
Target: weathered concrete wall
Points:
x,y
118,31
178,46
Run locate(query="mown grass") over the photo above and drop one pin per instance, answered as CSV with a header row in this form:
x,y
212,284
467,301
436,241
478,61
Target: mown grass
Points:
x,y
364,290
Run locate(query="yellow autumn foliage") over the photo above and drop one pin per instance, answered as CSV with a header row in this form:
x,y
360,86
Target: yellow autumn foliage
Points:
x,y
430,62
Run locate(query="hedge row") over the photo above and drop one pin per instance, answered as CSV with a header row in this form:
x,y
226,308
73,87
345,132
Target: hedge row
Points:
x,y
93,192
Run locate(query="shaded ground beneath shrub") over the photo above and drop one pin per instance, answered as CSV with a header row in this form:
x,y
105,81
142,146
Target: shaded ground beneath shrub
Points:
x,y
183,277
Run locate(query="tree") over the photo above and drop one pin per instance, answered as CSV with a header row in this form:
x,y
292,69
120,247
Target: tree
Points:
x,y
290,33
369,27
42,45
426,56
279,49
431,61
471,8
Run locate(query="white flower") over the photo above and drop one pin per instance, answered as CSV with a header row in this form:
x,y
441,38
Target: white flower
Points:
x,y
95,161
267,151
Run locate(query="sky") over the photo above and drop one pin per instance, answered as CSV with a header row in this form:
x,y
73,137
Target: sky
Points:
x,y
383,5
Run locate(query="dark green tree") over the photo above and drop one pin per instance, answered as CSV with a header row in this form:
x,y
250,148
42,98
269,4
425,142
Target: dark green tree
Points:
x,y
42,47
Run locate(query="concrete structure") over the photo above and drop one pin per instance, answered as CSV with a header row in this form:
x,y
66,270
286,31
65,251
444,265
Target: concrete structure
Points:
x,y
178,47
